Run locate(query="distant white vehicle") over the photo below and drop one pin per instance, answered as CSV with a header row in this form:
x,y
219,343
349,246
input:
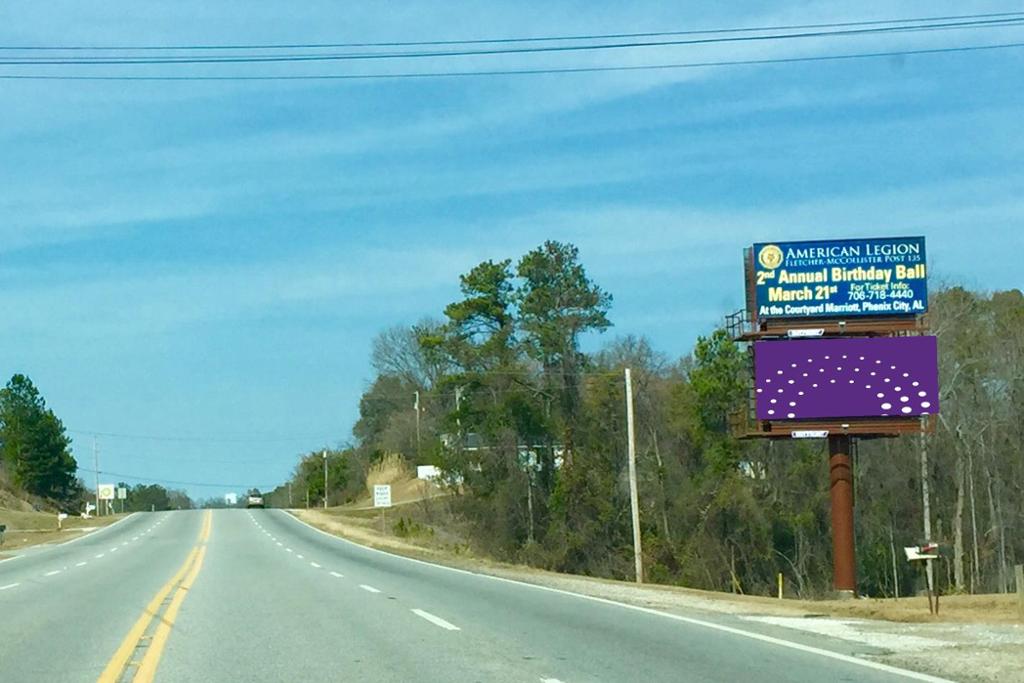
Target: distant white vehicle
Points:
x,y
254,500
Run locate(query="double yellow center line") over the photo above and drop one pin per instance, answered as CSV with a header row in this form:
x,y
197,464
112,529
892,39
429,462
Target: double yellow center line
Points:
x,y
164,605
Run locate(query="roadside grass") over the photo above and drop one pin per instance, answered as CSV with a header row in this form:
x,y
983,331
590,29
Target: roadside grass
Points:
x,y
436,544
34,528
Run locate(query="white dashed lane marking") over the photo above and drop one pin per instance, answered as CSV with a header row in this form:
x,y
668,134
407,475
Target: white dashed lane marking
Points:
x,y
299,556
288,550
100,555
435,620
368,589
336,574
55,571
80,564
314,564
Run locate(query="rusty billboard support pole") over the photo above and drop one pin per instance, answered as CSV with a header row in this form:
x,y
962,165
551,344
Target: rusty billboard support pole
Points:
x,y
844,561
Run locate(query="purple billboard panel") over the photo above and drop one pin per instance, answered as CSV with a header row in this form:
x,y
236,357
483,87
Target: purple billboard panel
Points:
x,y
837,378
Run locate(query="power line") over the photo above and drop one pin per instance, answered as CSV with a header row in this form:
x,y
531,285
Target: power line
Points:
x,y
195,439
514,40
173,482
268,58
525,72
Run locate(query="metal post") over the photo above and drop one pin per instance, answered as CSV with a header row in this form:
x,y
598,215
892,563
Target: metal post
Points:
x,y
325,479
634,502
307,497
1018,572
844,564
289,495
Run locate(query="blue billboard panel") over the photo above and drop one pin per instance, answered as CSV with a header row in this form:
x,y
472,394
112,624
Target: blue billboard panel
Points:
x,y
840,278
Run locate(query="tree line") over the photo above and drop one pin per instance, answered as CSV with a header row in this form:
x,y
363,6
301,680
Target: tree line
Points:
x,y
529,432
36,459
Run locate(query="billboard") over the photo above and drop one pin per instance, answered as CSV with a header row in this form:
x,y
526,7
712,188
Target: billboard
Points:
x,y
840,278
846,378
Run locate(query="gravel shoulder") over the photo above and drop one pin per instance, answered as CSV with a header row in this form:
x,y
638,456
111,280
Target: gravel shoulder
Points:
x,y
974,639
26,529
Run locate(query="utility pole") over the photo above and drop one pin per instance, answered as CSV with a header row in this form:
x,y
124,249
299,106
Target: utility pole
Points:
x,y
325,479
289,495
927,503
634,502
307,497
96,467
416,407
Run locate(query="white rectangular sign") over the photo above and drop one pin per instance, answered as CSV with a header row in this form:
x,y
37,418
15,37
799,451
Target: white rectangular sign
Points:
x,y
382,495
106,491
122,493
427,472
810,433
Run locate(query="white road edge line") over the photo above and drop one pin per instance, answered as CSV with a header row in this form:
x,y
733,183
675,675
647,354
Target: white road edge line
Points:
x,y
10,585
73,540
438,621
336,574
753,635
368,589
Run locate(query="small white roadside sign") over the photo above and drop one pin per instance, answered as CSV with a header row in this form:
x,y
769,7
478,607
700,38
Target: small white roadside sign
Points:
x,y
122,493
382,495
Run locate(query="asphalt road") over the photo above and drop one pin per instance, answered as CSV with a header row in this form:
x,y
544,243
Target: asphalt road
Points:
x,y
238,595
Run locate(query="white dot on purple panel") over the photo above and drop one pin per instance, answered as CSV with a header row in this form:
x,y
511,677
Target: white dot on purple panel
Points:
x,y
792,365
926,404
774,400
799,393
856,369
906,409
897,388
915,384
810,360
771,412
778,372
878,362
791,415
759,390
826,357
844,356
887,380
886,406
892,367
904,399
880,395
805,374
791,381
815,386
862,357
906,374
821,369
839,368
851,381
792,404
873,373
831,381
780,391
922,394
767,381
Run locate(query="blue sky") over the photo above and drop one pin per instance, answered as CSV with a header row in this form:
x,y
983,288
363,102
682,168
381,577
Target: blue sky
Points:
x,y
211,260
